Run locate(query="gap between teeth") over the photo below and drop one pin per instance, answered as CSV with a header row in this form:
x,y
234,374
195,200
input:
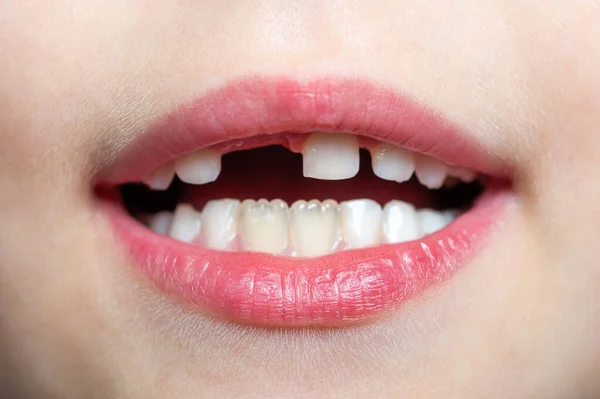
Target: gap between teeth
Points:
x,y
326,156
310,228
307,228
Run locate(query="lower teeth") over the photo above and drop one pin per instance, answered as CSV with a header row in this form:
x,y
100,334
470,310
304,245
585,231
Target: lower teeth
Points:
x,y
310,228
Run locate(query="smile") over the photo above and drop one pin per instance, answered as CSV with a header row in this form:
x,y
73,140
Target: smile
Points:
x,y
276,202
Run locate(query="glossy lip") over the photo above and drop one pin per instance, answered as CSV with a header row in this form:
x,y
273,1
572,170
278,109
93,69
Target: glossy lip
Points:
x,y
334,290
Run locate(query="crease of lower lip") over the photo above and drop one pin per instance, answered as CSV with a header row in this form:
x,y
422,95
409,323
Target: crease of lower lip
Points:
x,y
336,290
262,106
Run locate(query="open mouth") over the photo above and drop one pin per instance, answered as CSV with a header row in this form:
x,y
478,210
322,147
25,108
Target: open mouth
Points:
x,y
273,202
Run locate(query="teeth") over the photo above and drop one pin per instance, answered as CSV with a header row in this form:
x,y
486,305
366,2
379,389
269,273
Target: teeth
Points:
x,y
306,229
160,222
186,223
430,172
314,227
219,223
392,163
361,222
310,228
432,221
400,222
264,226
162,178
466,175
451,215
328,156
199,167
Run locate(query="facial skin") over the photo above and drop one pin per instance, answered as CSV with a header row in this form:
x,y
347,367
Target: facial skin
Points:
x,y
80,79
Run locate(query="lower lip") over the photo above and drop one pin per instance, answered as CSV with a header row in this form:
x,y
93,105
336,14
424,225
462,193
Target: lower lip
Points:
x,y
340,289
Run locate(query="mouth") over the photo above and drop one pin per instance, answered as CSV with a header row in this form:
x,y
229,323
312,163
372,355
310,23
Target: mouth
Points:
x,y
274,202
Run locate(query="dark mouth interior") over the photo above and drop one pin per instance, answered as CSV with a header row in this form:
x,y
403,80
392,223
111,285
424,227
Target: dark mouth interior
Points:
x,y
275,173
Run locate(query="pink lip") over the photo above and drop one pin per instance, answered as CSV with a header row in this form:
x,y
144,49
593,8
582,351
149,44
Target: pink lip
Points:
x,y
345,287
269,106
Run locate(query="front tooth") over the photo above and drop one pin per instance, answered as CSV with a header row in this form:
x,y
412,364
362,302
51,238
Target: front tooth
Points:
x,y
161,178
400,222
199,167
361,222
430,172
314,227
263,225
161,222
186,223
392,163
432,221
329,156
219,223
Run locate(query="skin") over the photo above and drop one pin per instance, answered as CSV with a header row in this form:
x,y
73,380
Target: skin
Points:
x,y
81,78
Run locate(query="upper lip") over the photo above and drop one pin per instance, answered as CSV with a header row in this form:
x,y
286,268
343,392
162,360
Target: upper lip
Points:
x,y
266,106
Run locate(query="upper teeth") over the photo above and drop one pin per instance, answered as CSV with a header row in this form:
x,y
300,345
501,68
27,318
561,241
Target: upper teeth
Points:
x,y
466,175
329,156
430,172
326,156
199,167
162,178
393,163
310,228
